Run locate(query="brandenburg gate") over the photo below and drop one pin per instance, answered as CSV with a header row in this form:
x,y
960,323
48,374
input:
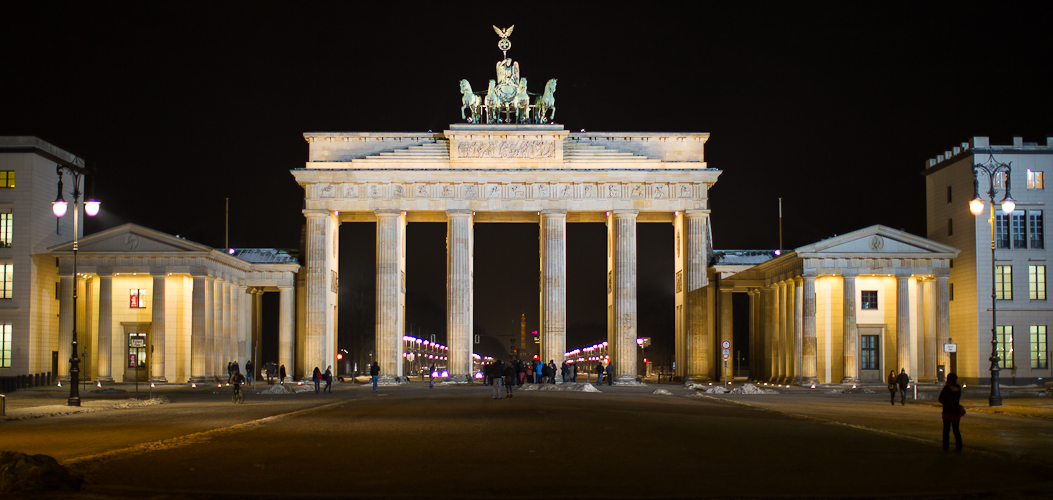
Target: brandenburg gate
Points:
x,y
507,165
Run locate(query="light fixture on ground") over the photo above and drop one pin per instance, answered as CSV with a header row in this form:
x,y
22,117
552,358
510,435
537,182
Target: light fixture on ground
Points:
x,y
992,168
91,208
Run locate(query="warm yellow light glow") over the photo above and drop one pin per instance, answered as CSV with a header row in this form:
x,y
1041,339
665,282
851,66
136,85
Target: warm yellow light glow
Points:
x,y
976,206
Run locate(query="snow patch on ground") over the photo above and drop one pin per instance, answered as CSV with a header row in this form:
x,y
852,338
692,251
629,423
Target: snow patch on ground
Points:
x,y
752,389
662,392
851,391
135,403
716,389
561,387
109,390
277,389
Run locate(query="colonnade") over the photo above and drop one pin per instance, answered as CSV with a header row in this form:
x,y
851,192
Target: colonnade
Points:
x,y
323,227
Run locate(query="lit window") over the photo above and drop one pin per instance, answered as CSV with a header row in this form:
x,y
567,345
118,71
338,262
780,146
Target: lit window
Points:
x,y
5,345
1035,229
1004,345
137,298
1035,180
1038,347
1004,282
6,281
7,178
1002,230
869,299
1036,278
999,180
1019,229
5,228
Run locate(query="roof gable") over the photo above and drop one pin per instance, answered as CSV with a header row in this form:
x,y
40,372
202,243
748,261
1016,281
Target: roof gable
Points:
x,y
877,240
131,238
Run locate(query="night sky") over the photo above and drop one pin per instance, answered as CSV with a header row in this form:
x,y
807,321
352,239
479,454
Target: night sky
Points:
x,y
832,106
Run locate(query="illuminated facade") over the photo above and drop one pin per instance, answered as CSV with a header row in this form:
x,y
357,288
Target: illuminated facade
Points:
x,y
1024,313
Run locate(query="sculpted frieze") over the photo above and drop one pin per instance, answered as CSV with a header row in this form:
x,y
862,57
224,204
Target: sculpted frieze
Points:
x,y
661,191
588,191
506,149
447,191
637,191
326,191
350,191
539,191
471,191
614,190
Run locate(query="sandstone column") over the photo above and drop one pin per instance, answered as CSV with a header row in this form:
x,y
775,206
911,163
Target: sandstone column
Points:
x,y
210,332
932,348
699,344
850,331
219,358
680,296
785,335
255,346
157,328
104,360
754,338
66,322
553,285
391,296
809,346
621,230
766,334
943,320
798,328
234,342
285,328
460,250
198,331
775,319
903,323
224,338
727,326
321,291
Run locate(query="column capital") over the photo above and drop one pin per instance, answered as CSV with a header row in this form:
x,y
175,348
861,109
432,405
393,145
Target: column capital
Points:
x,y
387,212
554,212
314,213
459,213
158,272
696,213
104,272
849,273
283,288
810,272
902,275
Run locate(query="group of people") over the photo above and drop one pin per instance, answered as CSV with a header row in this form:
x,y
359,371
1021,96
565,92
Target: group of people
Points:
x,y
319,377
950,397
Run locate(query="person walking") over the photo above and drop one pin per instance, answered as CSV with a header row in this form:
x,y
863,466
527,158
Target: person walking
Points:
x,y
496,372
328,377
551,371
599,373
230,369
610,373
249,373
530,372
520,372
574,373
951,398
281,374
374,373
892,385
510,375
903,381
563,371
431,376
236,367
317,378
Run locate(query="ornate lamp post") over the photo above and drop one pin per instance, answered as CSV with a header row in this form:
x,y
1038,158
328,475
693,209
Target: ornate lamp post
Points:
x,y
992,167
91,208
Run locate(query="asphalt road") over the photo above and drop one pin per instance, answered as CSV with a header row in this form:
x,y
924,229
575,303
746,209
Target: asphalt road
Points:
x,y
458,442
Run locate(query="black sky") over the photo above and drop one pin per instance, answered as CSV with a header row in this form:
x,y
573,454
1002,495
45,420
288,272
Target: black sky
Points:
x,y
832,106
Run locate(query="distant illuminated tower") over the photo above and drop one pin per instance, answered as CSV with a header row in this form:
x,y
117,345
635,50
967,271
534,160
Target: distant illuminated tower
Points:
x,y
522,334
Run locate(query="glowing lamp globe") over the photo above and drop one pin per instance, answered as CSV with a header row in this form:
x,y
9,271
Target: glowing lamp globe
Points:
x,y
58,207
1008,205
91,208
976,206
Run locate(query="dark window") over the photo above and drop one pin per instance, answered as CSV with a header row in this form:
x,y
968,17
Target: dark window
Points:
x,y
870,299
950,227
1019,229
948,194
1001,231
869,353
950,291
1035,225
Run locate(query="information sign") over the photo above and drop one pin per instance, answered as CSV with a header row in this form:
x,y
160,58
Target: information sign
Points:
x,y
726,353
137,342
950,347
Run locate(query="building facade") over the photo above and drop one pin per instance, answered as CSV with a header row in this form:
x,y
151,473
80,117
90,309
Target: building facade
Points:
x,y
1020,262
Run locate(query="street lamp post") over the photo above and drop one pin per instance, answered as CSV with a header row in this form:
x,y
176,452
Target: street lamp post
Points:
x,y
91,208
992,167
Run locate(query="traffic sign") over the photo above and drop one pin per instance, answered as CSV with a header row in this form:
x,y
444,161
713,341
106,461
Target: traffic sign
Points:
x,y
726,352
950,347
725,345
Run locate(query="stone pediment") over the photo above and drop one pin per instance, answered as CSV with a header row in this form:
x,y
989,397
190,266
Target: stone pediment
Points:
x,y
131,238
877,241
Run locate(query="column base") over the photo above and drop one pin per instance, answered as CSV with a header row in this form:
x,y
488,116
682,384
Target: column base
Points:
x,y
625,381
199,380
850,380
797,381
809,381
104,380
462,378
158,380
697,380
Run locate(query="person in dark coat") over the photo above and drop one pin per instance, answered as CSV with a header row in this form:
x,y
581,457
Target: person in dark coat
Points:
x,y
951,398
249,373
903,381
610,373
510,375
281,374
374,374
551,371
574,373
563,371
328,377
317,377
497,371
431,376
892,385
599,373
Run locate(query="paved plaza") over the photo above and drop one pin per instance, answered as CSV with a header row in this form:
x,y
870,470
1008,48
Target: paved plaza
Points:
x,y
458,442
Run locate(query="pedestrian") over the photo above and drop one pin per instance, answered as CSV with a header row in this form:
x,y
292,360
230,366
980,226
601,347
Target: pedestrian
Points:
x,y
249,374
903,381
374,373
530,372
281,374
510,375
551,371
328,376
610,373
317,377
950,398
237,368
230,369
520,372
496,372
574,373
563,371
431,376
599,373
892,385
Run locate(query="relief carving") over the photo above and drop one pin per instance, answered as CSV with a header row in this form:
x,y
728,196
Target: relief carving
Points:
x,y
541,191
350,191
397,191
589,191
325,191
638,191
469,191
685,191
422,190
661,191
506,149
447,191
493,191
517,191
614,191
565,191
374,191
